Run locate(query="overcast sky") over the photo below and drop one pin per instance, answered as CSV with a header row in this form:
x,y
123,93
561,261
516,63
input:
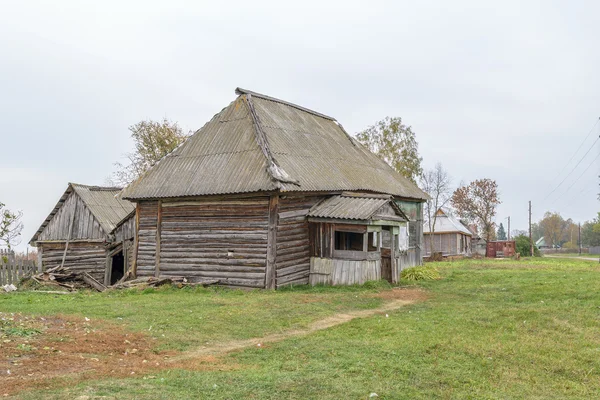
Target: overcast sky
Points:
x,y
506,90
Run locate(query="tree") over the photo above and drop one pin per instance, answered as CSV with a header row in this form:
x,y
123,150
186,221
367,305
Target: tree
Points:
x,y
153,140
501,232
395,143
477,203
436,183
10,226
590,232
553,227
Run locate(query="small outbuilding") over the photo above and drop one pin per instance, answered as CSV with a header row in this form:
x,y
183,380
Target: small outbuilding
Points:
x,y
269,193
450,236
89,230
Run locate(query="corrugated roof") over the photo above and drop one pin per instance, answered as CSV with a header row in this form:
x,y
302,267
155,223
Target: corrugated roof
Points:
x,y
103,202
259,143
446,223
349,207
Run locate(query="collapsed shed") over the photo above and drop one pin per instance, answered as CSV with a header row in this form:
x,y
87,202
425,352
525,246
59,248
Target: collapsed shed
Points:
x,y
89,230
241,201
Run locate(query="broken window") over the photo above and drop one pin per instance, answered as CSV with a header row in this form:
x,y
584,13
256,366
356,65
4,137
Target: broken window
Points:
x,y
373,241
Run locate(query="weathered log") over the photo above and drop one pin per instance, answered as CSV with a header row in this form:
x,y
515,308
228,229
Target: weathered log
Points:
x,y
87,278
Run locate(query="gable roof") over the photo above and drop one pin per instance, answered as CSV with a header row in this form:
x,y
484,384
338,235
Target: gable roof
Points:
x,y
259,143
354,206
447,223
103,203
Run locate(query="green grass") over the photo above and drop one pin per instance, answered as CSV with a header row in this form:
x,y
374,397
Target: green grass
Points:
x,y
491,329
180,319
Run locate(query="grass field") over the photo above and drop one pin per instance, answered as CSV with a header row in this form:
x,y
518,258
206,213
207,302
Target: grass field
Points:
x,y
489,329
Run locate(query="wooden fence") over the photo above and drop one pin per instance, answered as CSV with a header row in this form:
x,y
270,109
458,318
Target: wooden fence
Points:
x,y
12,269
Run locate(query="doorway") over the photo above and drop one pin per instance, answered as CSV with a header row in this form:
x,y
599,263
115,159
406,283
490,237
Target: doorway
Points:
x,y
386,254
117,270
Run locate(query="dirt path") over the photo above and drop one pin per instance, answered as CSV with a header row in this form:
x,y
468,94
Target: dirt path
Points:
x,y
573,257
66,349
338,319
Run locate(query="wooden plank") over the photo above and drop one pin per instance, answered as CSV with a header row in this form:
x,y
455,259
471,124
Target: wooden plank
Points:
x,y
272,242
158,231
87,278
69,234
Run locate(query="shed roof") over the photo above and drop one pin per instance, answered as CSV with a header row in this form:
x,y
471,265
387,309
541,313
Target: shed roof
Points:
x,y
353,206
259,143
103,202
447,223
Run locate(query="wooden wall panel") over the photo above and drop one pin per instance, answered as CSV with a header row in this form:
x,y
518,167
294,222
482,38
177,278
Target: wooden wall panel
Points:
x,y
81,257
126,230
146,238
85,225
220,239
293,242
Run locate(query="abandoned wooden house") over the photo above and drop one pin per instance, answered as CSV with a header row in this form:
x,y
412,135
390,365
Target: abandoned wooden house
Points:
x,y
268,194
450,236
90,229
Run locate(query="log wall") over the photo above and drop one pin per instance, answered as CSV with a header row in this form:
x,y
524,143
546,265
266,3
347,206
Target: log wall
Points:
x,y
293,246
81,256
218,239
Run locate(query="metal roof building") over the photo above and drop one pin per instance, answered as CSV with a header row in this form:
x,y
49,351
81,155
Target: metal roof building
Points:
x,y
238,200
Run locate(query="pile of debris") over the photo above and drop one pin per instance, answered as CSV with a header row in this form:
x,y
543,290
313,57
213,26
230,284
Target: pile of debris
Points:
x,y
72,280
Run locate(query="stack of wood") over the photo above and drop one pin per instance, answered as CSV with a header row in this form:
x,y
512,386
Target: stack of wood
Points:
x,y
178,281
71,280
66,278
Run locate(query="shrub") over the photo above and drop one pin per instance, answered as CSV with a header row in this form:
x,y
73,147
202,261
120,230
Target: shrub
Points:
x,y
522,246
420,274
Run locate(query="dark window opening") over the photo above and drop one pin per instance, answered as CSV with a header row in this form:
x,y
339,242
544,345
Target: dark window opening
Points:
x,y
118,268
348,241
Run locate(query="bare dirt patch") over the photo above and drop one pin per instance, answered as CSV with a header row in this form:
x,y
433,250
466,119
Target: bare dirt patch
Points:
x,y
49,352
66,348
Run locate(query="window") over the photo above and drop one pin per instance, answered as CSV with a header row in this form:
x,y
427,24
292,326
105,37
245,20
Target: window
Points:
x,y
373,241
348,241
403,238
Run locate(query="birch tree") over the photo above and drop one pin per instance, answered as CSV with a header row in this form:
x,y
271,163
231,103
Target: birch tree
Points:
x,y
10,226
396,144
153,140
436,182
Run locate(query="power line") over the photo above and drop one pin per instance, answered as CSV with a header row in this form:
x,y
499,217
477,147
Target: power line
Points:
x,y
575,167
578,178
574,154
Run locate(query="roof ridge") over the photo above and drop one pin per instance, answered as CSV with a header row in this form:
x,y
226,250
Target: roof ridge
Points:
x,y
240,91
96,187
276,172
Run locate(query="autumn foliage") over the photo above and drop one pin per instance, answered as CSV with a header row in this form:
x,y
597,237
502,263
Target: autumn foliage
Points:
x,y
477,202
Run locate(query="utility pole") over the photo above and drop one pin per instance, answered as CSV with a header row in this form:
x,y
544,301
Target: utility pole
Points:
x,y
579,239
530,238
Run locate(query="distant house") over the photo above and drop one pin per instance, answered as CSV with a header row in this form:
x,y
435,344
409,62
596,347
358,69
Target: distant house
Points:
x,y
541,243
450,236
268,194
90,229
